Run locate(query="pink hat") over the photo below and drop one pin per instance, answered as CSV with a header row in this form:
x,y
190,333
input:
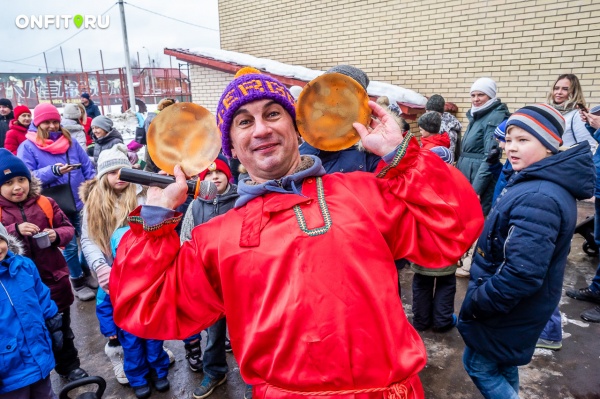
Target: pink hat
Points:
x,y
45,112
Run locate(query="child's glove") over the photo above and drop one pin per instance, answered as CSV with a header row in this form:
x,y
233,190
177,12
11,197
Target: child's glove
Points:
x,y
133,157
54,325
103,274
494,155
140,119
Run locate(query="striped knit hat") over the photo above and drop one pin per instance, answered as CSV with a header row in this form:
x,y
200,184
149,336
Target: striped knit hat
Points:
x,y
500,132
541,120
113,159
249,85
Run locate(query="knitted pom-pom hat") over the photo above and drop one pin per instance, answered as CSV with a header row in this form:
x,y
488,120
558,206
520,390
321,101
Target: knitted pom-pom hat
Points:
x,y
247,86
542,121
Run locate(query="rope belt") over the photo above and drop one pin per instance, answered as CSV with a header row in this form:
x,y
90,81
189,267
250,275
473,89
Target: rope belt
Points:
x,y
397,390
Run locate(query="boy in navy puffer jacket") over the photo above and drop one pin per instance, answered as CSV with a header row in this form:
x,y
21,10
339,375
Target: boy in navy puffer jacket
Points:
x,y
518,267
25,307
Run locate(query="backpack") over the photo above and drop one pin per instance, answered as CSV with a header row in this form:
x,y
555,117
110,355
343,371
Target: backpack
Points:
x,y
44,203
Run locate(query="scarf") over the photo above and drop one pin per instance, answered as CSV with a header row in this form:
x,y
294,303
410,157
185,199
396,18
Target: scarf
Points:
x,y
563,108
484,106
59,146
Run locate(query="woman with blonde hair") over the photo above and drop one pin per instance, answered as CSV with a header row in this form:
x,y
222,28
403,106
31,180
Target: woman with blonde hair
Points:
x,y
108,201
565,95
56,160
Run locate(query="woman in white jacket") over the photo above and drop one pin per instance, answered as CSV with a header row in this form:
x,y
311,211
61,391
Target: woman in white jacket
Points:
x,y
564,96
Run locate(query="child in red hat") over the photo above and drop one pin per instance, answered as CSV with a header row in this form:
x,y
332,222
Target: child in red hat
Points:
x,y
17,128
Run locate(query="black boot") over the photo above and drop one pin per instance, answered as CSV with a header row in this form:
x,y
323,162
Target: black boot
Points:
x,y
81,290
90,279
193,354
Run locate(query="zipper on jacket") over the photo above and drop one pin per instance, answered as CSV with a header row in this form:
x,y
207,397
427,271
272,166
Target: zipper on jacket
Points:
x,y
510,231
9,298
22,212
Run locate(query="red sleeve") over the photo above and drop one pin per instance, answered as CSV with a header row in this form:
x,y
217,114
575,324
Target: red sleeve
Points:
x,y
161,302
428,212
11,143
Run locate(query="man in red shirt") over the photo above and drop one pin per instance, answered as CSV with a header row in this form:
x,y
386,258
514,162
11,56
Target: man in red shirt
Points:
x,y
303,266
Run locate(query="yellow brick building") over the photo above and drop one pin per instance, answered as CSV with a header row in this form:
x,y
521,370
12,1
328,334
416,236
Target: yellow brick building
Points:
x,y
430,46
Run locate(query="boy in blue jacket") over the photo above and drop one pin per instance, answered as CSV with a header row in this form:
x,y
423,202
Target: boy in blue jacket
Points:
x,y
25,344
519,263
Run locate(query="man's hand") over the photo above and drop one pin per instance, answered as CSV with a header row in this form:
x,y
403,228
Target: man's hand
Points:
x,y
28,229
593,120
171,196
383,134
51,234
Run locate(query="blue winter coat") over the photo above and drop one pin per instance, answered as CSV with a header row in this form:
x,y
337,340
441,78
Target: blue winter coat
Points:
x,y
345,161
25,344
518,267
40,163
596,135
92,110
505,174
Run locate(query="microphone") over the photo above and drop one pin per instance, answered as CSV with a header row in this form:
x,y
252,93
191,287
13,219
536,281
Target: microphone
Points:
x,y
203,189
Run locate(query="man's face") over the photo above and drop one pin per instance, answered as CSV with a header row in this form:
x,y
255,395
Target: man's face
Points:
x,y
4,110
85,101
265,141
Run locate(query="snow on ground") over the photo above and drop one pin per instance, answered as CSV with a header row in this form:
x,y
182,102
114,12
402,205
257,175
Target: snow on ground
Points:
x,y
376,88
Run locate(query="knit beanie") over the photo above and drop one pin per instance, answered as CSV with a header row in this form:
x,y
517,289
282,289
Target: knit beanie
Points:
x,y
486,86
352,72
112,159
103,123
72,111
247,86
3,233
45,112
6,102
20,110
219,164
500,132
430,121
11,166
85,95
542,121
443,153
435,103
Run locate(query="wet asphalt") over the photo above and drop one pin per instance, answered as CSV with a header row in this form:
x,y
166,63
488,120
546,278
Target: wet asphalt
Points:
x,y
573,372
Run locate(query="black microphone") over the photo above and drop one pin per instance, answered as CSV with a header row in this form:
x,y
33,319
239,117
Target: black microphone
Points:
x,y
204,189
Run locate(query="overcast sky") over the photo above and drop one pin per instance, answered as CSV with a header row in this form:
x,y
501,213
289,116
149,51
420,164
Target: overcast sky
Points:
x,y
154,32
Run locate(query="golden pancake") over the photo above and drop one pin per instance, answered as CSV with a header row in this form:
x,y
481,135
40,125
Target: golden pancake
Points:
x,y
326,109
184,134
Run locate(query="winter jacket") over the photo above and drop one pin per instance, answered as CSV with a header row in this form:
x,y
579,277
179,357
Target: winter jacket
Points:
x,y
77,131
351,159
92,110
435,140
4,126
40,162
596,134
300,293
476,144
518,266
201,210
576,131
49,261
25,305
15,136
104,143
453,127
505,174
93,254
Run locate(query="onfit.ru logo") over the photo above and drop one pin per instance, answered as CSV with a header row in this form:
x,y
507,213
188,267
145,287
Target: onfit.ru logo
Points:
x,y
62,21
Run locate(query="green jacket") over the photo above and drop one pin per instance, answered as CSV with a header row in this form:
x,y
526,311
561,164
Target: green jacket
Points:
x,y
476,144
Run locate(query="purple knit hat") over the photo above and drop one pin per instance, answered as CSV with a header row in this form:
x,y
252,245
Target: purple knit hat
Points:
x,y
244,89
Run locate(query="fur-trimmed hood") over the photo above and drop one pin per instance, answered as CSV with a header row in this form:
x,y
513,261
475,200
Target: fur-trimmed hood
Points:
x,y
35,187
15,245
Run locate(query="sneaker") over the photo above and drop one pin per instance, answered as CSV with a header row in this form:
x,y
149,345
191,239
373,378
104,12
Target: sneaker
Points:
x,y
447,327
193,354
207,386
584,294
142,392
171,355
82,291
115,355
228,346
248,392
547,344
592,315
75,374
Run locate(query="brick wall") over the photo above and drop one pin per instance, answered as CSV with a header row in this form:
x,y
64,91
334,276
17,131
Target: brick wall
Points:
x,y
207,86
430,46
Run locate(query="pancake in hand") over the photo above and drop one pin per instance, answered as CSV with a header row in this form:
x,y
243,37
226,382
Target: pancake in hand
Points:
x,y
326,109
